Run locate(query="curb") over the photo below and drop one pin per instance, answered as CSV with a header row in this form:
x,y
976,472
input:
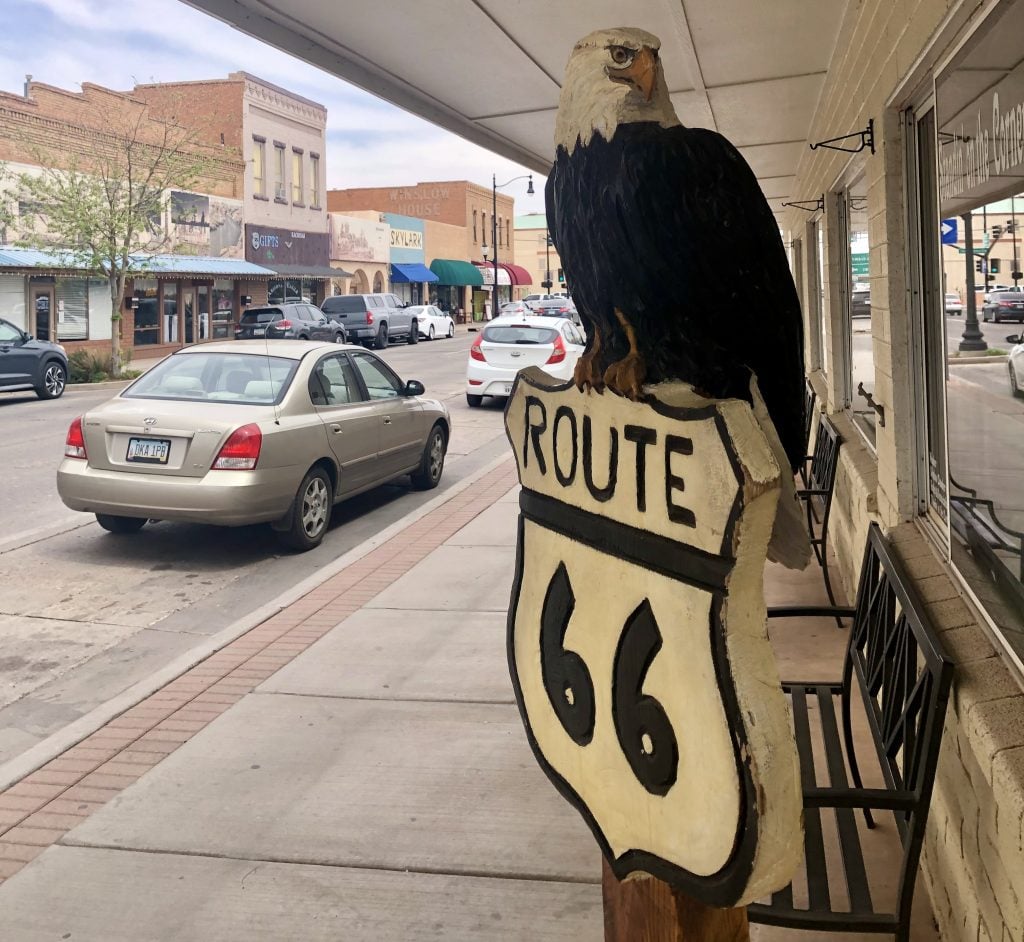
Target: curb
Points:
x,y
57,743
953,361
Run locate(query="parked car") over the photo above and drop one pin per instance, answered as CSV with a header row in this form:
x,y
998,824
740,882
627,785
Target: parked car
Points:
x,y
516,307
373,319
508,344
432,321
27,363
1015,363
860,302
1004,306
953,303
292,321
557,307
249,432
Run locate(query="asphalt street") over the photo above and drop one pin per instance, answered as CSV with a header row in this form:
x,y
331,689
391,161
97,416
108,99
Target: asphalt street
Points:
x,y
84,614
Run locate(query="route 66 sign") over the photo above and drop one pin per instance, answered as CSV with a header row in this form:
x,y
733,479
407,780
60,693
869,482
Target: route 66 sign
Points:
x,y
637,632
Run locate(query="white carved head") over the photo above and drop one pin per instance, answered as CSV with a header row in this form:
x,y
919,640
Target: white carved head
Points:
x,y
614,76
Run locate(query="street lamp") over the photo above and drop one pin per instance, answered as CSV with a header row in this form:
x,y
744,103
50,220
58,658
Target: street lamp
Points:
x,y
495,186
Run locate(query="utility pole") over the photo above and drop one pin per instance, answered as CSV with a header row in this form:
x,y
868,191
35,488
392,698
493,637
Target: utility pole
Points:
x,y
973,341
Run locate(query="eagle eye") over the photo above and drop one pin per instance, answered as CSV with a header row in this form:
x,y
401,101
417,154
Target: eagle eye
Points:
x,y
621,55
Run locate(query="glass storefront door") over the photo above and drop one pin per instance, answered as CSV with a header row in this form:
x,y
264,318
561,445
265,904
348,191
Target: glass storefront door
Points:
x,y
42,312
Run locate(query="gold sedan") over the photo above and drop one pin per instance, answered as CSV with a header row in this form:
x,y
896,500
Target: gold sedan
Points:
x,y
251,432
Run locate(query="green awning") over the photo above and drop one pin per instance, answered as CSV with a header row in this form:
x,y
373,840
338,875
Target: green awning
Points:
x,y
451,271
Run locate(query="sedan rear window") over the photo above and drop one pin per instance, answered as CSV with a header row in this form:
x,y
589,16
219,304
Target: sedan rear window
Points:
x,y
261,315
243,378
519,334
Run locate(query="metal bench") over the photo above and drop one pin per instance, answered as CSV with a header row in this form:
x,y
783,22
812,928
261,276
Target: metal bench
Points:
x,y
817,496
810,401
895,665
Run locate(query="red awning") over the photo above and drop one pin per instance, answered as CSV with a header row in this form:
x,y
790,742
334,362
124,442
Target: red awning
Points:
x,y
518,274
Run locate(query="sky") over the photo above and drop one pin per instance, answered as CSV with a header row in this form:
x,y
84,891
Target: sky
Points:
x,y
117,43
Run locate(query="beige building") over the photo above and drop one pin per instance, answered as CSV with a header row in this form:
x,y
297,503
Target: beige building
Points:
x,y
537,255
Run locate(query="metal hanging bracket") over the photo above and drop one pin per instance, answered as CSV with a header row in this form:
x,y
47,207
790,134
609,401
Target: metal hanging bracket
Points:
x,y
816,206
878,407
867,139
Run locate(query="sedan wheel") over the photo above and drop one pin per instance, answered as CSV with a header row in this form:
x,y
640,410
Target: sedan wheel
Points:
x,y
311,512
451,330
114,524
414,332
474,401
339,338
428,474
1014,387
430,333
55,378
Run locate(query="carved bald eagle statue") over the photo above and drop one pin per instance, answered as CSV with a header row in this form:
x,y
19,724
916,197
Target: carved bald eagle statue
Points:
x,y
669,248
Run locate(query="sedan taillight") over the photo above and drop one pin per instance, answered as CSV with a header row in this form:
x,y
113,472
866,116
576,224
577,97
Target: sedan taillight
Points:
x,y
476,351
558,354
74,446
241,451
283,325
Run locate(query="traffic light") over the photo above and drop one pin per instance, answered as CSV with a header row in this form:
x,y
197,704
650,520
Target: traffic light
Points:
x,y
1011,226
997,232
993,266
561,277
979,264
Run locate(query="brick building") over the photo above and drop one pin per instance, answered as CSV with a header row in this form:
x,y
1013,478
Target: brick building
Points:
x,y
465,206
255,227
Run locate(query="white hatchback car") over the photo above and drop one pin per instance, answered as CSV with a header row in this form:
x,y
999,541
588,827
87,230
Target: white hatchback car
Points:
x,y
512,343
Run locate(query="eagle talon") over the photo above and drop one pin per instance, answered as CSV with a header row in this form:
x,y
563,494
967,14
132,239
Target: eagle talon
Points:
x,y
626,377
586,376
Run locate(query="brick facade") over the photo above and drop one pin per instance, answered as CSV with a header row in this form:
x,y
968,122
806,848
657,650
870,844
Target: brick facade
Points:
x,y
455,203
973,861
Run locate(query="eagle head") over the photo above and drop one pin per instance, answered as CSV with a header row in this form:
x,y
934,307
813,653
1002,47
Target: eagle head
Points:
x,y
613,77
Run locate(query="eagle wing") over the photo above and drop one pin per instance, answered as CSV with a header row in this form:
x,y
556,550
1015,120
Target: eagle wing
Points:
x,y
670,226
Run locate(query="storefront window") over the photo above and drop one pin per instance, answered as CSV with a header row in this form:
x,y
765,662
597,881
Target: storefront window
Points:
x,y
981,160
170,310
819,300
147,314
858,306
223,297
72,296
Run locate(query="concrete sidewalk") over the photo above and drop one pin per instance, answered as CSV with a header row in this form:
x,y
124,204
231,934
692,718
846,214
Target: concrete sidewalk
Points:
x,y
353,768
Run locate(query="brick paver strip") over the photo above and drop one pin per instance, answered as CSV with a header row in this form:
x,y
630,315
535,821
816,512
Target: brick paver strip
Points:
x,y
41,808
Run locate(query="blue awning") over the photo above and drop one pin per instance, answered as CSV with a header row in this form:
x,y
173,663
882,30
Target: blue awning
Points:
x,y
411,271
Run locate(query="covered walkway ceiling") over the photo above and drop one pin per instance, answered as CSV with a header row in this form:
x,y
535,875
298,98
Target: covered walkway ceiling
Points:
x,y
491,70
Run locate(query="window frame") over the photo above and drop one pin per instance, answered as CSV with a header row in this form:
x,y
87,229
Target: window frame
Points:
x,y
280,187
298,186
314,180
259,157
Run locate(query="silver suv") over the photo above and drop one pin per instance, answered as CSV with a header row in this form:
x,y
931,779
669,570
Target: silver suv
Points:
x,y
372,319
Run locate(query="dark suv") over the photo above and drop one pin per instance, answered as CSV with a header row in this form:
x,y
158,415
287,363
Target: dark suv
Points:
x,y
26,363
291,321
373,319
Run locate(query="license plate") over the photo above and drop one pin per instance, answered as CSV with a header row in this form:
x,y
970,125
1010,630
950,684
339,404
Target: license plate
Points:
x,y
259,331
149,450
508,388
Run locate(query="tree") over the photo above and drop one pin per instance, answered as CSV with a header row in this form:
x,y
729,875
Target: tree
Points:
x,y
102,199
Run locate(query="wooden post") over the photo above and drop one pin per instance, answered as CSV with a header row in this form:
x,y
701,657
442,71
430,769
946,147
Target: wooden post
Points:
x,y
645,909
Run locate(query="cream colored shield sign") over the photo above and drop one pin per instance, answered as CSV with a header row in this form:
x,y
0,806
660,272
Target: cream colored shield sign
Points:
x,y
637,640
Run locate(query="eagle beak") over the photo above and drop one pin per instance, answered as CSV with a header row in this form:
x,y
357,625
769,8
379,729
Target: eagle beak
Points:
x,y
643,71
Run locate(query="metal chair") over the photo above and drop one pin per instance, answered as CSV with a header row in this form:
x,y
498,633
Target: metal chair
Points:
x,y
817,495
896,666
810,402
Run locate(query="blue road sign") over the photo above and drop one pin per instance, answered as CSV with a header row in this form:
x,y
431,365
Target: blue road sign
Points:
x,y
949,232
